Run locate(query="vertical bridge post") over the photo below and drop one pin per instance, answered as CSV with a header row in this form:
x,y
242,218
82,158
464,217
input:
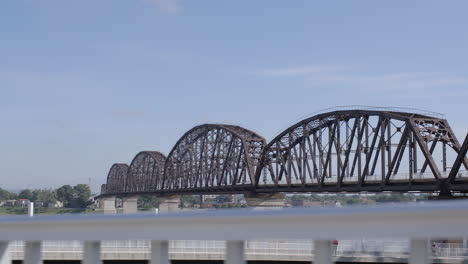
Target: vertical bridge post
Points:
x,y
322,252
92,252
419,251
32,252
234,252
159,252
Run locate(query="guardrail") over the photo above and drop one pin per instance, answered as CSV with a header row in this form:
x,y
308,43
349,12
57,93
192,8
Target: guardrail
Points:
x,y
418,222
274,249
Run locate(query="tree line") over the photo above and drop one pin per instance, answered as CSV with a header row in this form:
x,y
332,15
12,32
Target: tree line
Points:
x,y
71,196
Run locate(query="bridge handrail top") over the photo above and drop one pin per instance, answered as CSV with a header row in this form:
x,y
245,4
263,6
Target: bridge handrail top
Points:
x,y
383,221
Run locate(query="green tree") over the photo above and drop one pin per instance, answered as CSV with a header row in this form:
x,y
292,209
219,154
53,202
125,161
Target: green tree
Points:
x,y
6,195
25,194
65,194
47,196
36,193
44,195
82,195
148,201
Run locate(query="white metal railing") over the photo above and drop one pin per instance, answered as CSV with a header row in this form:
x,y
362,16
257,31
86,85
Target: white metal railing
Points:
x,y
348,248
416,222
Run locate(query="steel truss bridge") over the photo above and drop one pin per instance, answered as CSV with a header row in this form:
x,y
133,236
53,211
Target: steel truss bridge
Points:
x,y
338,151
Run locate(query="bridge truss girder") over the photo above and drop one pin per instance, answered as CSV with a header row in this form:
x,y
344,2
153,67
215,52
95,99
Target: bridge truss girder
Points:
x,y
116,178
213,155
340,151
358,151
146,172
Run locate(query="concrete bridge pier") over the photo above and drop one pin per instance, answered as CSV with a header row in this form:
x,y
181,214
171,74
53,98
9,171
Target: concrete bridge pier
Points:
x,y
169,203
130,205
265,200
108,205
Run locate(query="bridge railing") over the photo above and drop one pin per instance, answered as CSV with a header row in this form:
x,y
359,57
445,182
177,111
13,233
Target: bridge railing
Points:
x,y
418,223
272,248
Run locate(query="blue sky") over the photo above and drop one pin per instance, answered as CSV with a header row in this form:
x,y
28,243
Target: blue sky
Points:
x,y
88,83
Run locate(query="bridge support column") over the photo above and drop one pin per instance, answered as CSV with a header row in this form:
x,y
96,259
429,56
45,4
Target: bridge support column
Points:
x,y
130,205
265,200
169,203
108,205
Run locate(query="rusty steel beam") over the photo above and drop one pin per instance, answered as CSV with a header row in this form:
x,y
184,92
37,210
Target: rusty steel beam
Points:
x,y
374,141
116,178
461,158
213,155
146,172
339,151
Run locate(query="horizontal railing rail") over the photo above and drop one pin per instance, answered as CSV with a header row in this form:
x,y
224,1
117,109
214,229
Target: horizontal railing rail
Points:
x,y
429,219
418,222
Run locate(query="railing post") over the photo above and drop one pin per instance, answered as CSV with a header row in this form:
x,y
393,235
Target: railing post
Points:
x,y
234,252
159,252
465,245
419,251
5,257
91,252
322,252
32,252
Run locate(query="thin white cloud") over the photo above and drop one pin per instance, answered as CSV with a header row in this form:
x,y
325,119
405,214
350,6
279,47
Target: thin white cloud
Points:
x,y
348,77
299,70
171,7
405,81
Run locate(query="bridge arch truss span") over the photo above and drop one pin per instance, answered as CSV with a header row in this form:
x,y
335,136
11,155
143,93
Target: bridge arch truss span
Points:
x,y
359,150
116,178
146,172
214,156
